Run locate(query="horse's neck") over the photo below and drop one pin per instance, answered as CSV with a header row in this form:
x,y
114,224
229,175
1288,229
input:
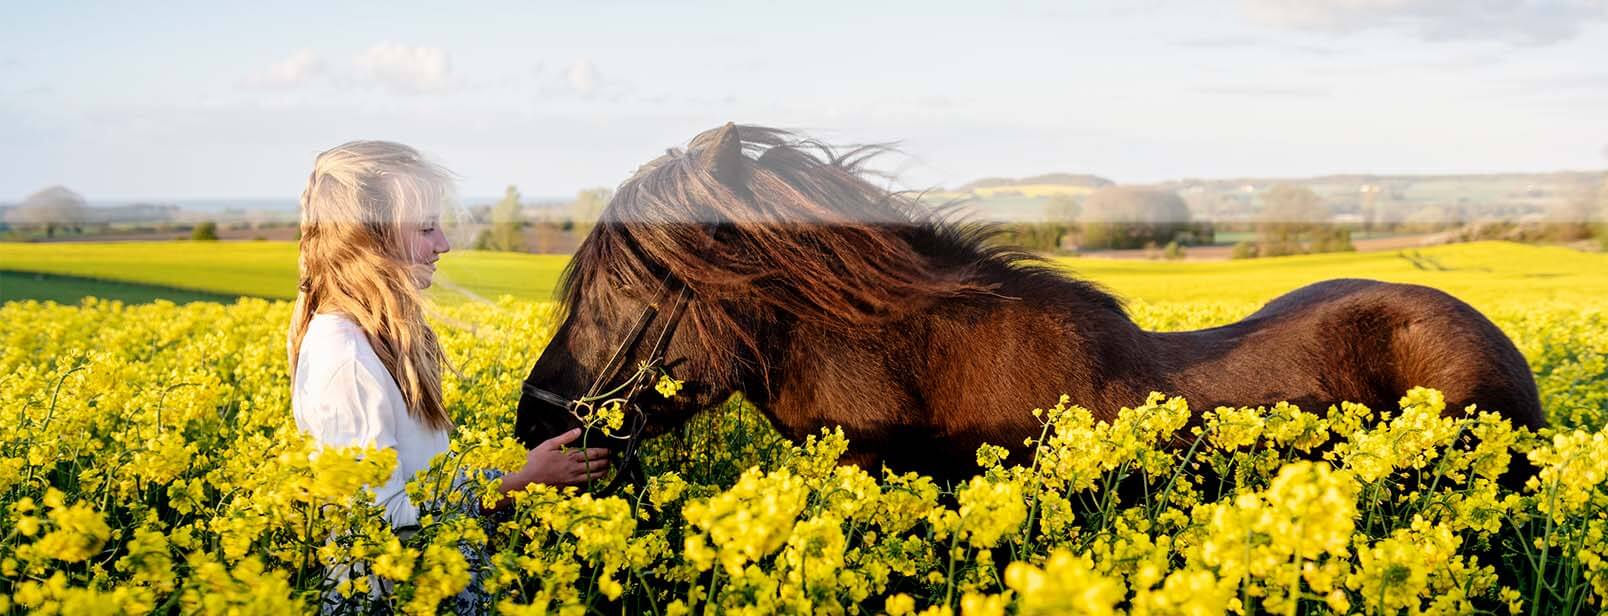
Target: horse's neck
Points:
x,y
1036,332
933,385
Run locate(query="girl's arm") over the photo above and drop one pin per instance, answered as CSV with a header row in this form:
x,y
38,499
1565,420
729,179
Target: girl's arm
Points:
x,y
554,464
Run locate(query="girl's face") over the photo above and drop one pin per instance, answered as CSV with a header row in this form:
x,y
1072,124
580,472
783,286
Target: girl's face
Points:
x,y
426,244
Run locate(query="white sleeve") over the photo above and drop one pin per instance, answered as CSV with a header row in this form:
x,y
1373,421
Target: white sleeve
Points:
x,y
353,408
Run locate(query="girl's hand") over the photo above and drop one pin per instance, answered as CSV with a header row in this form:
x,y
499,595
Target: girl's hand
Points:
x,y
553,464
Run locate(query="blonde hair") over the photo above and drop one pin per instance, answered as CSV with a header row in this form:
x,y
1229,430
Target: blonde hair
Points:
x,y
355,260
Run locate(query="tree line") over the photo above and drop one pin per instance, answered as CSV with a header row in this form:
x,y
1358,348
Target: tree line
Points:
x,y
1292,219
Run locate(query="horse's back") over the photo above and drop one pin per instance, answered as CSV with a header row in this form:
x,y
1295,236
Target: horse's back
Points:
x,y
1385,338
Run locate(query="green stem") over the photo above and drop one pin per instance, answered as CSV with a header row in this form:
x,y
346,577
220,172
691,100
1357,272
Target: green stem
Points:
x,y
949,578
1546,542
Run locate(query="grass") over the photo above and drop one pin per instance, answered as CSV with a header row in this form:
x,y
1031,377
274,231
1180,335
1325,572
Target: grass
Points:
x,y
71,289
266,269
1485,274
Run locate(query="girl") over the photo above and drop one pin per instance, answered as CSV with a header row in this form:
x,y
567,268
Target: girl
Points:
x,y
365,365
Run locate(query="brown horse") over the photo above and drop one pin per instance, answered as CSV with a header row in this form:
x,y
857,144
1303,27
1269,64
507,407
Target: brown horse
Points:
x,y
830,301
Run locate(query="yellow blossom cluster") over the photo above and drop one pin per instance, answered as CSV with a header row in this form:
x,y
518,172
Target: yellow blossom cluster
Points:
x,y
150,464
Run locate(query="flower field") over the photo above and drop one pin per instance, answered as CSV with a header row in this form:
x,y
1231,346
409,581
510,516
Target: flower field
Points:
x,y
149,463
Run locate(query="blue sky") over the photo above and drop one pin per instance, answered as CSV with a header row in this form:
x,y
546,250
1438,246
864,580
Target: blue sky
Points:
x,y
195,100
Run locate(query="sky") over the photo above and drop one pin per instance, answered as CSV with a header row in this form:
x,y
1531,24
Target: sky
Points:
x,y
191,100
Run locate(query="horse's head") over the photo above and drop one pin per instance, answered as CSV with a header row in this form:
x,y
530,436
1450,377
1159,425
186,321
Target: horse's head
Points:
x,y
761,233
622,355
631,320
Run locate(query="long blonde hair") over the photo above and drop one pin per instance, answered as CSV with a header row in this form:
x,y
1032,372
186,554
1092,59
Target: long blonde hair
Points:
x,y
354,260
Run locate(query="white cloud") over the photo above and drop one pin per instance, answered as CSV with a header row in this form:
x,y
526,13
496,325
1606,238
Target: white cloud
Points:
x,y
583,77
1527,22
407,69
299,67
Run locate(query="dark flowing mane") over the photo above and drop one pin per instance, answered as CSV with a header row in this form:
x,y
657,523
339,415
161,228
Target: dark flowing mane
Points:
x,y
765,227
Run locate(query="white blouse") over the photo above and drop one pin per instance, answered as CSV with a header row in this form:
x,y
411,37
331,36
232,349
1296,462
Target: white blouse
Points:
x,y
344,396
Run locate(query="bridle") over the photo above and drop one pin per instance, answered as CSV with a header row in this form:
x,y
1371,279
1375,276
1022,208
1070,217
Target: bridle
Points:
x,y
625,393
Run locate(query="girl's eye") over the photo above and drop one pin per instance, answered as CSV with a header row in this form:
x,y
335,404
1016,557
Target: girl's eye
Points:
x,y
429,230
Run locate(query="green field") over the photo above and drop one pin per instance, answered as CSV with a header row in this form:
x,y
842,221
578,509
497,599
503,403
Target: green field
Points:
x,y
1486,274
257,269
71,289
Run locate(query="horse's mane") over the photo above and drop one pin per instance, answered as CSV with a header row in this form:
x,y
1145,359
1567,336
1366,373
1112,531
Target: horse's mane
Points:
x,y
766,227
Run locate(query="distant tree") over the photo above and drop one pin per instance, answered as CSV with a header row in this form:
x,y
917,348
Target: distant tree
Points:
x,y
1290,211
1125,217
1602,211
1333,239
1579,217
1039,236
205,232
588,207
549,237
507,223
1430,218
1290,214
1243,249
454,217
1063,208
50,209
1368,205
1173,251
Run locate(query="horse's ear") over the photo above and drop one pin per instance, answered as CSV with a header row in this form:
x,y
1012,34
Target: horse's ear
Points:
x,y
723,157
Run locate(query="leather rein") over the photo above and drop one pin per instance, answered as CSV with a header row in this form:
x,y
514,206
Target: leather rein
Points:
x,y
626,392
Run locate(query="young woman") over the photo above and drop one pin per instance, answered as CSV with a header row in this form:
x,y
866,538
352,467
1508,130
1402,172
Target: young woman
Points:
x,y
366,367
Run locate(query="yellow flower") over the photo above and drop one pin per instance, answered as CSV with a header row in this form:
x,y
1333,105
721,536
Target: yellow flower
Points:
x,y
665,489
1051,590
1289,426
978,604
148,559
1411,440
667,386
444,574
1190,592
752,519
814,553
1574,466
899,605
394,561
989,456
990,510
1232,428
78,531
905,500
